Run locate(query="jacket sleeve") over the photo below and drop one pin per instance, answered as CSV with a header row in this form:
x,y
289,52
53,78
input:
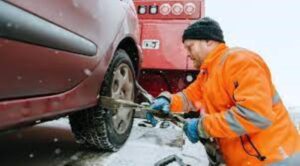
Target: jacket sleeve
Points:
x,y
188,99
252,92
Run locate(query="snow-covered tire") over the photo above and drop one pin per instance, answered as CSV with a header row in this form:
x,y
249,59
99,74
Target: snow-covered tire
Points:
x,y
108,129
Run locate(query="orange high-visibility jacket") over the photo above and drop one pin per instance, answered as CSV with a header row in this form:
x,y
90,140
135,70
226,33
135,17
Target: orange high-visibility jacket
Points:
x,y
243,110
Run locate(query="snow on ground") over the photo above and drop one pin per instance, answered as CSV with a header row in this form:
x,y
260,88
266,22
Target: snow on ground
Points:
x,y
52,143
146,146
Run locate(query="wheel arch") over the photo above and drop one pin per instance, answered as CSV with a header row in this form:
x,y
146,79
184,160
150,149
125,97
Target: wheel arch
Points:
x,y
129,45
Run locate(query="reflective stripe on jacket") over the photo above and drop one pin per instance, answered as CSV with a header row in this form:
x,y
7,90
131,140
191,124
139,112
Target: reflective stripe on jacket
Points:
x,y
243,110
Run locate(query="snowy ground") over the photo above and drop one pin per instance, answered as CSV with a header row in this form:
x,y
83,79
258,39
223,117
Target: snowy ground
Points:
x,y
148,145
52,143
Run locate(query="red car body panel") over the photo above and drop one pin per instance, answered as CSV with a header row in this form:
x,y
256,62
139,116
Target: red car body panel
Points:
x,y
33,70
41,82
171,54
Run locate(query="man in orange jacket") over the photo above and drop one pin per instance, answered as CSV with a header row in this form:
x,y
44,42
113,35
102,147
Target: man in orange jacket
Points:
x,y
239,105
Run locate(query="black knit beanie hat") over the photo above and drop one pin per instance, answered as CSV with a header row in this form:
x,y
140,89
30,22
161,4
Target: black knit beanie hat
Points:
x,y
204,29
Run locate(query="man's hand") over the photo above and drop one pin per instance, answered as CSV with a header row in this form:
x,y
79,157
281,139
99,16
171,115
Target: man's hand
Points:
x,y
191,130
160,104
194,130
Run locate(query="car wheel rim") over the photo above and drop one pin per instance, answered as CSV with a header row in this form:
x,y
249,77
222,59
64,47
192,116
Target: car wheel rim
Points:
x,y
122,88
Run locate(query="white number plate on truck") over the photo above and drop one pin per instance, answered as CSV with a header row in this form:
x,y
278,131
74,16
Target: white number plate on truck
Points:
x,y
151,44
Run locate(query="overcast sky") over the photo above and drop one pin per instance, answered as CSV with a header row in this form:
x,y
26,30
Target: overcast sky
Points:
x,y
270,28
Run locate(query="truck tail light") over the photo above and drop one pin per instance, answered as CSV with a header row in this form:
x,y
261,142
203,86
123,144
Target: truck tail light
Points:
x,y
142,9
165,9
189,8
177,9
153,9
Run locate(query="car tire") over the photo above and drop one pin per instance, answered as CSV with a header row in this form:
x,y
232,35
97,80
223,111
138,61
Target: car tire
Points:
x,y
108,129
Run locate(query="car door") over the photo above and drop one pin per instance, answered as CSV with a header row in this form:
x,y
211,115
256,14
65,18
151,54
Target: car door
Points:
x,y
50,47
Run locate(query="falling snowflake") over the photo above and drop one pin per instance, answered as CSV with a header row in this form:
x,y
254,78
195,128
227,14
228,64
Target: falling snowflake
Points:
x,y
57,151
19,77
75,3
189,78
55,139
55,103
8,25
31,155
87,72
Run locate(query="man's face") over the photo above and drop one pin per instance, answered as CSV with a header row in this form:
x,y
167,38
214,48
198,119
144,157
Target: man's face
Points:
x,y
197,51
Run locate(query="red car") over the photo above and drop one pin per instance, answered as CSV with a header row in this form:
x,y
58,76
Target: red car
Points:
x,y
58,56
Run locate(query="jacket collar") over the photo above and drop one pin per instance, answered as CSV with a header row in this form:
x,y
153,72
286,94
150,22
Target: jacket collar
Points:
x,y
213,56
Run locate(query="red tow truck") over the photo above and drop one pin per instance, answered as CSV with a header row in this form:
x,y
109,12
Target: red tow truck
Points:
x,y
165,64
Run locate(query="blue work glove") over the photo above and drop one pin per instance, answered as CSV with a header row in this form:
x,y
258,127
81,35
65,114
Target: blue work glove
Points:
x,y
190,129
150,118
161,103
